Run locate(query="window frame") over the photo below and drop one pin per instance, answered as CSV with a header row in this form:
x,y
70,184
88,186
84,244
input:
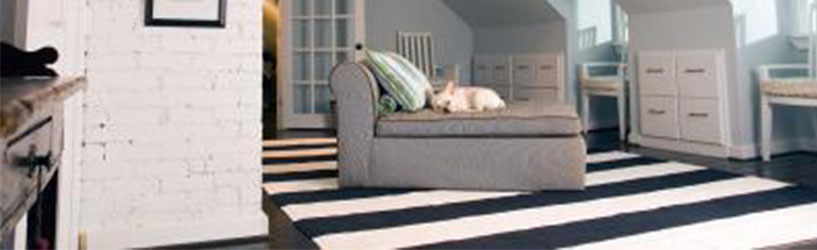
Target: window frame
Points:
x,y
802,16
621,25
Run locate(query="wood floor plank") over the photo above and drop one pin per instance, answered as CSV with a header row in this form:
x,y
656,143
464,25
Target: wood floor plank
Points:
x,y
299,153
299,167
299,142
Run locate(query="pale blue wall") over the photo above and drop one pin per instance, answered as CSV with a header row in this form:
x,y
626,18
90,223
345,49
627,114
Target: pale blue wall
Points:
x,y
762,31
453,37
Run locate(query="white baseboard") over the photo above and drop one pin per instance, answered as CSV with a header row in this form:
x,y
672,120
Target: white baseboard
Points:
x,y
751,151
165,234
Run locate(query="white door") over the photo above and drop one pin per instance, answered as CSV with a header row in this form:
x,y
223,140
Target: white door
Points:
x,y
316,36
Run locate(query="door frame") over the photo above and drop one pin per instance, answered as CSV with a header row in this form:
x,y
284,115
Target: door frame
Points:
x,y
287,119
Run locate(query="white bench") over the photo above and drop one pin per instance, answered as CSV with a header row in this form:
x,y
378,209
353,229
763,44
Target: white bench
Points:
x,y
604,85
789,91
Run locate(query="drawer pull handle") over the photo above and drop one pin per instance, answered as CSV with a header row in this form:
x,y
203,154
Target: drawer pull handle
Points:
x,y
655,71
34,161
522,67
698,115
657,112
499,67
546,67
695,71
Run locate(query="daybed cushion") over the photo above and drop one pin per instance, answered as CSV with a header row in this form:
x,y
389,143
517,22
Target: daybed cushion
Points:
x,y
515,121
611,83
799,88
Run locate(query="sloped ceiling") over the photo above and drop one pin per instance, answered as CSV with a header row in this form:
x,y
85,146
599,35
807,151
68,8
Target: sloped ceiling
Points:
x,y
498,13
655,6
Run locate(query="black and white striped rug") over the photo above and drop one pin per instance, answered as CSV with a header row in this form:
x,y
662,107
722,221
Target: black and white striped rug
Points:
x,y
631,202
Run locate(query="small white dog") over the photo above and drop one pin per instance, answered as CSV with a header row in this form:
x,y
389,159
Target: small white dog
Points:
x,y
454,99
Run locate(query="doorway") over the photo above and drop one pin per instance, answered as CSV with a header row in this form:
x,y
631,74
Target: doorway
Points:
x,y
315,35
272,17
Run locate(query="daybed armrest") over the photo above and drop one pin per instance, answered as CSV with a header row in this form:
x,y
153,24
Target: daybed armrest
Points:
x,y
352,85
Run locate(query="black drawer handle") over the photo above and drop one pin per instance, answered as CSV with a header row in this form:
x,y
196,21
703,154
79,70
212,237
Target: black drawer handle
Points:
x,y
655,71
698,115
695,71
546,67
33,161
657,111
522,67
499,67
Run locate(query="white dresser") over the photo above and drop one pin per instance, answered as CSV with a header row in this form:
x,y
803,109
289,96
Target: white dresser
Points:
x,y
683,101
537,78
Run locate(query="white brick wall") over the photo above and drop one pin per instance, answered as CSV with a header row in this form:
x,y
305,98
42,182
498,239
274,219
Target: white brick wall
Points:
x,y
172,128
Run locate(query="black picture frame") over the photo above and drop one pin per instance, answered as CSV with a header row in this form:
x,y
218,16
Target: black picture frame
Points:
x,y
152,20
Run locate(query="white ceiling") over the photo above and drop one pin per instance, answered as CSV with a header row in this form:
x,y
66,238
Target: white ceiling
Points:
x,y
654,6
497,13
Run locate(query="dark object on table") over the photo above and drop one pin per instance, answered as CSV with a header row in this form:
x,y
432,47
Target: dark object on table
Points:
x,y
15,62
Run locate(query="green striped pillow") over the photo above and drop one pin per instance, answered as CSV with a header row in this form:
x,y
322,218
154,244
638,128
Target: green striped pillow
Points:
x,y
400,78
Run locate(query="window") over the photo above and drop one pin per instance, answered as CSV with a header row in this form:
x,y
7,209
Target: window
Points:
x,y
621,23
803,10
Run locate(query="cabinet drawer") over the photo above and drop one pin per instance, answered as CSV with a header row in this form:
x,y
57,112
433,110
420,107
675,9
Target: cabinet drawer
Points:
x,y
501,74
659,117
701,121
482,71
537,95
547,72
698,73
524,71
656,73
19,183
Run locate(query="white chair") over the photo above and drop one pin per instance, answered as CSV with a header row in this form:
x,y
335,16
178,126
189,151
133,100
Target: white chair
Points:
x,y
789,91
607,85
418,48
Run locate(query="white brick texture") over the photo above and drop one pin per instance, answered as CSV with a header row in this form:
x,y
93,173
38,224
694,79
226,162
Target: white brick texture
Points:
x,y
172,136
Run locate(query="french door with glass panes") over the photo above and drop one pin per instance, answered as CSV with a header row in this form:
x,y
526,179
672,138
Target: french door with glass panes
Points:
x,y
316,36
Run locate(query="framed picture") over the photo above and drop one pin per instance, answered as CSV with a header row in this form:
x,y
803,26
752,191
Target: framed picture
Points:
x,y
185,13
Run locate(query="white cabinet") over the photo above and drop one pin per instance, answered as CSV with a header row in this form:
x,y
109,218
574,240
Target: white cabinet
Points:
x,y
656,74
701,120
522,77
683,102
494,72
698,74
501,71
482,71
659,117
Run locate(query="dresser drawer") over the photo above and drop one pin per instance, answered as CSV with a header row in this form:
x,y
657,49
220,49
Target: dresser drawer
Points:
x,y
524,71
482,71
698,74
701,121
659,117
656,73
19,183
547,72
537,95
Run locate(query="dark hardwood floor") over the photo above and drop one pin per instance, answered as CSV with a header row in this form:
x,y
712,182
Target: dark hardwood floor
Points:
x,y
799,168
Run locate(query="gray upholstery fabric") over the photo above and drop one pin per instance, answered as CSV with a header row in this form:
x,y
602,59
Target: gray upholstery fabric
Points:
x,y
529,162
516,120
352,86
473,163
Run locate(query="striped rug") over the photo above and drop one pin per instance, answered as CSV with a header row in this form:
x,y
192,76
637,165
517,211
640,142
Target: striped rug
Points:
x,y
631,202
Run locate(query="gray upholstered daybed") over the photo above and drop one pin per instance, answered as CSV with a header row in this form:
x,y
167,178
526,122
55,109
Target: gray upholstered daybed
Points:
x,y
521,148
